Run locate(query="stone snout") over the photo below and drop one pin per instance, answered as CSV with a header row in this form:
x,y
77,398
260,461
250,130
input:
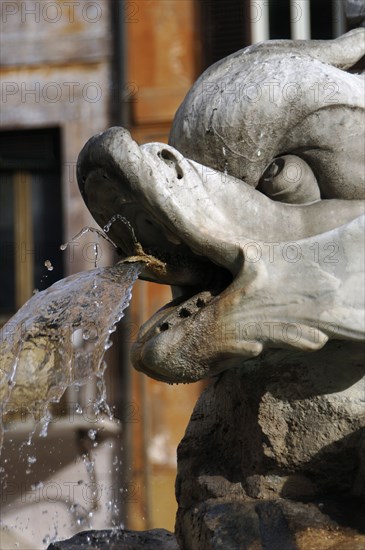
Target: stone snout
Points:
x,y
284,296
279,275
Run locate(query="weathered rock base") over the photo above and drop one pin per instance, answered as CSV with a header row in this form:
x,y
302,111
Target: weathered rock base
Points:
x,y
155,539
220,524
274,456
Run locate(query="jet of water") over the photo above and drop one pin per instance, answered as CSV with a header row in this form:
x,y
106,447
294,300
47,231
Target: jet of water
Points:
x,y
59,337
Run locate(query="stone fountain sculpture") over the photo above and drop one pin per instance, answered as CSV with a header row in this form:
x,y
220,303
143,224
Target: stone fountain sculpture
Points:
x,y
254,213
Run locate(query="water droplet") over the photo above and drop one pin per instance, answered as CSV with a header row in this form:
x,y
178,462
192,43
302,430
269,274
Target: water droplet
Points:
x,y
118,217
258,153
92,434
36,486
48,265
45,421
96,254
31,459
90,334
76,337
88,229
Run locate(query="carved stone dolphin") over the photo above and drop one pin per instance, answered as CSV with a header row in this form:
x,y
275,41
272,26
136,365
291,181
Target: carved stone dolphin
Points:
x,y
278,98
254,211
243,259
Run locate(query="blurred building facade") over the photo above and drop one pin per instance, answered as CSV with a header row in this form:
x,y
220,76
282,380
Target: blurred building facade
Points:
x,y
70,70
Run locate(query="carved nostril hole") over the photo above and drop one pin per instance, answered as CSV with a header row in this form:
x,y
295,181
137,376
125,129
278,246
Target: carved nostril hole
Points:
x,y
166,155
171,161
164,326
200,302
184,312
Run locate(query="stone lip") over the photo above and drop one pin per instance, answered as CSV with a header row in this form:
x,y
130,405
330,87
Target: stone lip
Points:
x,y
154,539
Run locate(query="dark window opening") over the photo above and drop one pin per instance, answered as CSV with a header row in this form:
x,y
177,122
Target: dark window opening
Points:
x,y
279,19
224,27
321,13
30,214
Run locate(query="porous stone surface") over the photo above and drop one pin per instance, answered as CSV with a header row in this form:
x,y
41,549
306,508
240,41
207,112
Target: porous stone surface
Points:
x,y
226,524
274,457
154,539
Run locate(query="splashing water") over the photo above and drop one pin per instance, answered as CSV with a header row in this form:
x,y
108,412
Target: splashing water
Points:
x,y
59,337
56,340
88,229
120,218
96,246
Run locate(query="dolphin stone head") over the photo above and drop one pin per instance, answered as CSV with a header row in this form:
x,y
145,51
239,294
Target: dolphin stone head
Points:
x,y
281,98
254,212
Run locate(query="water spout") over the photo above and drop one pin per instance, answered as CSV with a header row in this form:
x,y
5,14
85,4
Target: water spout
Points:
x,y
59,337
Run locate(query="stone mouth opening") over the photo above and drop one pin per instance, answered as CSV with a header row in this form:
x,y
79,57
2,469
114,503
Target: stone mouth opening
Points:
x,y
137,232
190,300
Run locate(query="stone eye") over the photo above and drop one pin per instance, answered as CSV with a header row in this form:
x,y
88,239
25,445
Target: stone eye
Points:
x,y
290,179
